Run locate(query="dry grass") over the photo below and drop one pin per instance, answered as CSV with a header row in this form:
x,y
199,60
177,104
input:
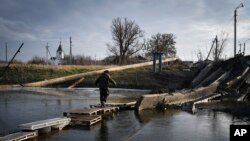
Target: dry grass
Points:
x,y
58,67
143,77
23,73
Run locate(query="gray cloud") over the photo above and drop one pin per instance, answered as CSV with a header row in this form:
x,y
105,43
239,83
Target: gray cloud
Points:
x,y
36,22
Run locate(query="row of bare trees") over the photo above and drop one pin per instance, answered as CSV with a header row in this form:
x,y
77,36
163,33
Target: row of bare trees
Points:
x,y
76,60
128,40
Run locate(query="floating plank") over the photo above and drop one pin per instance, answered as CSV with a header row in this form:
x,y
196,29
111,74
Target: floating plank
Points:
x,y
19,136
107,109
87,120
129,105
54,123
85,111
121,104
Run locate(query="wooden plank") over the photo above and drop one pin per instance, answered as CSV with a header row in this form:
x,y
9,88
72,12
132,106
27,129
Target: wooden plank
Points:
x,y
121,104
106,109
85,111
129,105
45,123
19,136
109,109
85,119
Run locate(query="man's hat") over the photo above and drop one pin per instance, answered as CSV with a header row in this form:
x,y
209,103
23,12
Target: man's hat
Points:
x,y
106,71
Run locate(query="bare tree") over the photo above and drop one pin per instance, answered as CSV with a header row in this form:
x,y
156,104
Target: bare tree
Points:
x,y
37,60
126,35
200,55
162,43
219,48
79,60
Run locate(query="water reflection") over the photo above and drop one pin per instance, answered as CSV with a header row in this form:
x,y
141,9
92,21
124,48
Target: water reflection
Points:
x,y
103,132
178,125
17,107
147,115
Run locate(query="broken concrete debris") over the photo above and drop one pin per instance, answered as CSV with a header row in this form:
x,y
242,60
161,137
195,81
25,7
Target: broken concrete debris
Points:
x,y
227,79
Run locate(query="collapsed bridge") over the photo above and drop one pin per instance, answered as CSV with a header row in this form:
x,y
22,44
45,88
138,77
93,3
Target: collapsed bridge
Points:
x,y
226,79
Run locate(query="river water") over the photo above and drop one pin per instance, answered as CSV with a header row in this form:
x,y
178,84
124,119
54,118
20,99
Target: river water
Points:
x,y
18,106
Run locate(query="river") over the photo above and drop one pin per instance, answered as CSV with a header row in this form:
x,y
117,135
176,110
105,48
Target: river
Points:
x,y
18,106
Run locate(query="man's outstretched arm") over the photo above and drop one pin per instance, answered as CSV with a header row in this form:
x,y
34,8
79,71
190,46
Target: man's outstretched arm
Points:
x,y
112,81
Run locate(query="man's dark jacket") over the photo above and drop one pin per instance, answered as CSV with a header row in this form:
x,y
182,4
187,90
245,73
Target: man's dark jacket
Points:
x,y
103,81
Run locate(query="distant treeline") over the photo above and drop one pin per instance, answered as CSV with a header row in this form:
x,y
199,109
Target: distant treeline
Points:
x,y
81,60
76,60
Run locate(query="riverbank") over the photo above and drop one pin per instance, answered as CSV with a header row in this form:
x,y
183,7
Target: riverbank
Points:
x,y
172,76
25,73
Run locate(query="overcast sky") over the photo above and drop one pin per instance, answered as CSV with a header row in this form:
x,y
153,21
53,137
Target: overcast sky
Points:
x,y
194,23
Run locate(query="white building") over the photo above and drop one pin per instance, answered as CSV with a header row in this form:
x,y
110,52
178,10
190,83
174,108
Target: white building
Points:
x,y
59,54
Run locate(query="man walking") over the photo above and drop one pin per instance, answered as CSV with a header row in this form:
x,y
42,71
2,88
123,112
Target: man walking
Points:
x,y
103,83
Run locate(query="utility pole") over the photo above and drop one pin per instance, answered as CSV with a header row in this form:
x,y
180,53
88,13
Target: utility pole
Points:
x,y
95,59
216,49
240,48
47,53
235,12
211,49
235,26
244,48
70,53
6,52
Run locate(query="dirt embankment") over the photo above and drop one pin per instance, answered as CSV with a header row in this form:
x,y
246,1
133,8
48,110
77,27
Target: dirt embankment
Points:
x,y
173,76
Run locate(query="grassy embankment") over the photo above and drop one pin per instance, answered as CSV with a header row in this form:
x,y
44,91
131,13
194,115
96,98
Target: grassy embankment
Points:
x,y
24,73
172,77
